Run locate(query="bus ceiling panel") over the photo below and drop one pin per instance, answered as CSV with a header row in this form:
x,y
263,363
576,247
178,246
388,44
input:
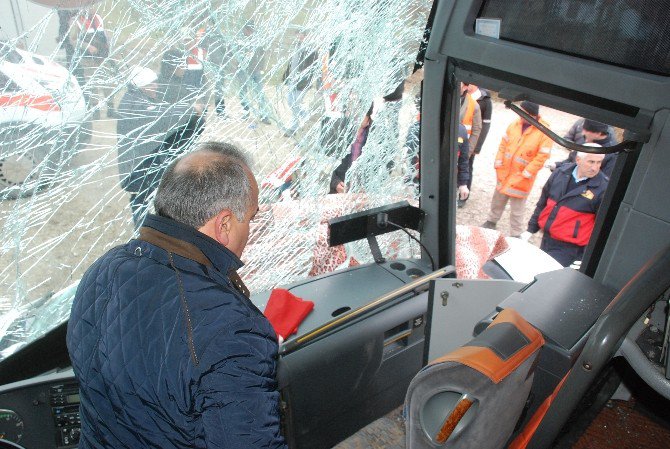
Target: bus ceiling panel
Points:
x,y
515,88
453,36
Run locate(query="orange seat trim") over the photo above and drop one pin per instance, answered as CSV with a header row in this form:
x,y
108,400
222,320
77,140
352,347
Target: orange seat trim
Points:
x,y
486,361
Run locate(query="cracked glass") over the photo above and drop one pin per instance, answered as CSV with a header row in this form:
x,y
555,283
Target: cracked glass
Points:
x,y
96,102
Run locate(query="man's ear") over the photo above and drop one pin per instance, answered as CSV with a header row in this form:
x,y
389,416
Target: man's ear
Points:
x,y
222,226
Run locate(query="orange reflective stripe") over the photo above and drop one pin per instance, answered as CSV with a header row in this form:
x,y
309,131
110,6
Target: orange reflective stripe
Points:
x,y
519,193
469,113
488,362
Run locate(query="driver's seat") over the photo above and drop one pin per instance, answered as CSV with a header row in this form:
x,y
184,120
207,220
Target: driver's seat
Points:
x,y
474,396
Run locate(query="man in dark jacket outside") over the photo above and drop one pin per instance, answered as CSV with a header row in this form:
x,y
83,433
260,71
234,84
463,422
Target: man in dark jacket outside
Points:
x,y
463,175
483,99
173,89
143,124
249,74
585,131
167,347
567,208
298,76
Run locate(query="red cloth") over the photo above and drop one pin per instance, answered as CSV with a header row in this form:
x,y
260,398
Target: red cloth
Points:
x,y
285,311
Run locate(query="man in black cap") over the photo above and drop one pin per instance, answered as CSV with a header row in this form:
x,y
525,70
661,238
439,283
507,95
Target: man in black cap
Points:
x,y
585,131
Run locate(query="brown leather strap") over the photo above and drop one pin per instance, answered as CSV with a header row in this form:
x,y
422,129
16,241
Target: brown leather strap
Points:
x,y
174,245
188,250
237,283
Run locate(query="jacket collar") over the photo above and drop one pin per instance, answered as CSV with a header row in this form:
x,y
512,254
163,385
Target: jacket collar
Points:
x,y
188,242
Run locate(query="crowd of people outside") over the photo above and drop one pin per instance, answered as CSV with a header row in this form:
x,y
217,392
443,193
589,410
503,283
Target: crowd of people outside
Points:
x,y
570,198
170,105
160,113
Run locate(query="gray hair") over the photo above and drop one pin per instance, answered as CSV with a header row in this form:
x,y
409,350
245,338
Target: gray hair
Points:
x,y
194,193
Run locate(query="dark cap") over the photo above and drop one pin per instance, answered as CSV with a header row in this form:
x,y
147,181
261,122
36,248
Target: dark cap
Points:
x,y
531,108
594,127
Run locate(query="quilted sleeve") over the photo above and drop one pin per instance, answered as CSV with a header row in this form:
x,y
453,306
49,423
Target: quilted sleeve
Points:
x,y
237,394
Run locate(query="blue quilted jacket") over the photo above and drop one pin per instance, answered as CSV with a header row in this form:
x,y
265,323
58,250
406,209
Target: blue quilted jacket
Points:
x,y
168,351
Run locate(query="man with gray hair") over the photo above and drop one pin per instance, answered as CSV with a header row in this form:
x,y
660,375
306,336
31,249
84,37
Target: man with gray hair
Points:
x,y
167,347
567,207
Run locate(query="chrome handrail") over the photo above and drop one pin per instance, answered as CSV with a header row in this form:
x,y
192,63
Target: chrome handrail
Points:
x,y
297,342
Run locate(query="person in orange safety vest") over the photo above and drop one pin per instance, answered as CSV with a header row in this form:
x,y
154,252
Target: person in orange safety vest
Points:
x,y
470,116
521,155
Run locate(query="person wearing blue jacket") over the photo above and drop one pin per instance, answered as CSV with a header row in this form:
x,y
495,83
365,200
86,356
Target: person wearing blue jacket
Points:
x,y
167,347
567,208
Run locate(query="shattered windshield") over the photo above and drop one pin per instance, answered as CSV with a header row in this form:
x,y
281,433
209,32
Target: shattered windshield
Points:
x,y
96,102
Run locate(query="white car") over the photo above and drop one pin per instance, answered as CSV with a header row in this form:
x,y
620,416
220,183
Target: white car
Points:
x,y
42,110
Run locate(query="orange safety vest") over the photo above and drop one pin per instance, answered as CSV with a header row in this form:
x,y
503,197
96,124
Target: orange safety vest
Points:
x,y
469,113
521,151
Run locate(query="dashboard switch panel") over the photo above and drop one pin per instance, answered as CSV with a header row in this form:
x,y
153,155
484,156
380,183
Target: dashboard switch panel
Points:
x,y
64,401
